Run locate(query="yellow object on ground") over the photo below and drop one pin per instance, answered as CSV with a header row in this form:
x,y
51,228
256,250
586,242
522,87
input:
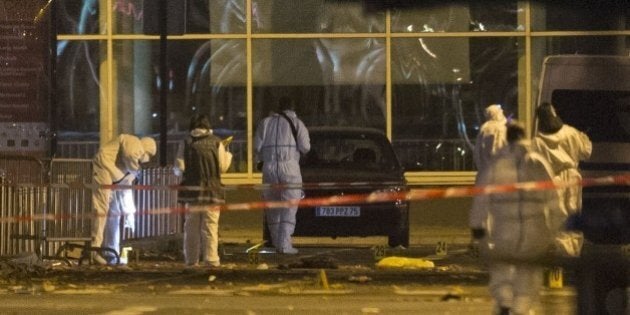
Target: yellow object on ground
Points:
x,y
404,262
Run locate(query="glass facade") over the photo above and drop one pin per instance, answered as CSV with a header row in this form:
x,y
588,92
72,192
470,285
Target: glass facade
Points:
x,y
440,87
423,75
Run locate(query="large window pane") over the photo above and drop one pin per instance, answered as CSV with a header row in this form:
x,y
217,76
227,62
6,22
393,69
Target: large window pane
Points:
x,y
78,86
79,96
460,16
314,16
440,88
203,77
78,17
332,81
580,16
183,17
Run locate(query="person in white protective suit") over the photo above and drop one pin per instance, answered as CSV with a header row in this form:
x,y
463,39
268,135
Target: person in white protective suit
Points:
x,y
564,147
278,147
204,159
116,163
516,229
491,137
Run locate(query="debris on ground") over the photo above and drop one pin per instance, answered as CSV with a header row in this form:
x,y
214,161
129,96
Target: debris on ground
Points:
x,y
315,262
359,279
445,295
21,267
262,266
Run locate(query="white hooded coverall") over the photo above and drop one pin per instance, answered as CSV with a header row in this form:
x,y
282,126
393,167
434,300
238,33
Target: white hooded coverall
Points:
x,y
491,137
276,146
564,150
520,226
117,161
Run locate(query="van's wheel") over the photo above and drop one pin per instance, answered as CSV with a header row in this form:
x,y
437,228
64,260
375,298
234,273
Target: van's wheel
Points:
x,y
399,236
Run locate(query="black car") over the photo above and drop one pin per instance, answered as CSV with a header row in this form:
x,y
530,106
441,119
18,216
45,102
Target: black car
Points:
x,y
347,161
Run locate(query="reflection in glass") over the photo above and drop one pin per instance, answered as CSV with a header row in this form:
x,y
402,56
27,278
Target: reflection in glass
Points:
x,y
314,16
226,16
79,93
78,86
78,17
459,16
203,77
439,94
198,16
333,81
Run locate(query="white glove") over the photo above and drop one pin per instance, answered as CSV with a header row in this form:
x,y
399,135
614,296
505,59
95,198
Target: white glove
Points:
x,y
177,171
130,222
128,208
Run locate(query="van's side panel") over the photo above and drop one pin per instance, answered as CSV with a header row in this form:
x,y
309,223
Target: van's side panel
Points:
x,y
578,72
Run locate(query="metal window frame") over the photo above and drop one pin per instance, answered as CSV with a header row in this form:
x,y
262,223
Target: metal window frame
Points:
x,y
108,106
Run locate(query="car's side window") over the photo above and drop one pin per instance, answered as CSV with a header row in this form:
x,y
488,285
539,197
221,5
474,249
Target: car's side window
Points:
x,y
355,152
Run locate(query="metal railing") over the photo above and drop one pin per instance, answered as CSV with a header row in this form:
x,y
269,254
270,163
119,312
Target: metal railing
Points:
x,y
414,155
43,200
22,197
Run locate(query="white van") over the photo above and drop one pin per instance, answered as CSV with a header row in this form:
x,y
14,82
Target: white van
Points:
x,y
592,94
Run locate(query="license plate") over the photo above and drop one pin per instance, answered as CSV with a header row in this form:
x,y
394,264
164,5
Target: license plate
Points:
x,y
338,211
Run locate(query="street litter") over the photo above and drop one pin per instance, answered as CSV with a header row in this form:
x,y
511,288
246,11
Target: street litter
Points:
x,y
404,263
297,291
208,291
316,262
85,291
360,279
264,287
262,266
452,293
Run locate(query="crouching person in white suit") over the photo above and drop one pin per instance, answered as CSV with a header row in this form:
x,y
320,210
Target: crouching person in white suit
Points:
x,y
116,163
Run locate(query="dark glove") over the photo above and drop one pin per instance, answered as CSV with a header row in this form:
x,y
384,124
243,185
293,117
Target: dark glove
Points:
x,y
478,234
574,223
127,179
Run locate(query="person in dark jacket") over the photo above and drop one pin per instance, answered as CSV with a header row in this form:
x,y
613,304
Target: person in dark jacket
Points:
x,y
202,177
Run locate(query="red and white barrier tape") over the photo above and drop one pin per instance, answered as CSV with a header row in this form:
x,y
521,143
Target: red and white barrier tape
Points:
x,y
376,197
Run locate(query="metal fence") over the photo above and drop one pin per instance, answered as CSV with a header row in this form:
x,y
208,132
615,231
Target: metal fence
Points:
x,y
69,201
153,217
87,149
414,155
22,197
41,200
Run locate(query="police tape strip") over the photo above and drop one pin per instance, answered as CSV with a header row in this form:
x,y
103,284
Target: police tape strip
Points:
x,y
375,197
324,185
